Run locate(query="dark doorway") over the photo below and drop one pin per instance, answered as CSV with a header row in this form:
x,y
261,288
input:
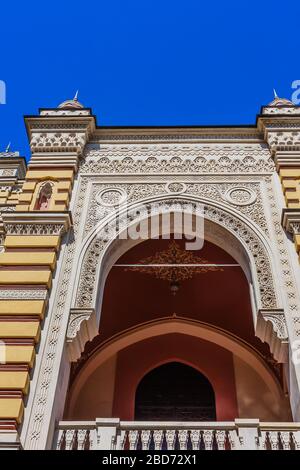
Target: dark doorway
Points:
x,y
175,392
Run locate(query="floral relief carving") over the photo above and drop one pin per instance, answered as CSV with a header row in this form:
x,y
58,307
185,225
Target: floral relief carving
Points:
x,y
132,192
59,141
188,159
284,138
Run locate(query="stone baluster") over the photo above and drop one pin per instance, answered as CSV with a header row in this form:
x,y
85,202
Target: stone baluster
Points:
x,y
285,439
183,439
221,438
82,436
145,438
171,439
208,437
133,437
158,438
273,439
195,438
70,439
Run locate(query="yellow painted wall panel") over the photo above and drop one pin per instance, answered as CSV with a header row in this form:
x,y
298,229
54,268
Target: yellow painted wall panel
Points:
x,y
297,242
14,380
62,197
20,329
25,197
11,408
49,174
22,207
289,172
45,241
19,354
289,184
29,186
26,277
22,307
27,259
64,185
60,207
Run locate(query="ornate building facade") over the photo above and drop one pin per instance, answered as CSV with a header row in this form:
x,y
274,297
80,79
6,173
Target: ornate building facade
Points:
x,y
113,342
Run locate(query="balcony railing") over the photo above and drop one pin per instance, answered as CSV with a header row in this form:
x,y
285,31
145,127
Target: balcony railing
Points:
x,y
113,434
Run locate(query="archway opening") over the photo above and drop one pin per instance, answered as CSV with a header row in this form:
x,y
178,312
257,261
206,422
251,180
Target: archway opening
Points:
x,y
206,322
175,392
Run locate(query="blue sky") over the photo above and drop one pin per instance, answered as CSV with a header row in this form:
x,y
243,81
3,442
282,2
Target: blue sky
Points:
x,y
146,62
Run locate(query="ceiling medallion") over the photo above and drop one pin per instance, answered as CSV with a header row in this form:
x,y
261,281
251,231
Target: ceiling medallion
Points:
x,y
174,265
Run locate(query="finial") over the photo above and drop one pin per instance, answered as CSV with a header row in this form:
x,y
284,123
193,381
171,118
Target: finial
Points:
x,y
275,94
7,148
76,96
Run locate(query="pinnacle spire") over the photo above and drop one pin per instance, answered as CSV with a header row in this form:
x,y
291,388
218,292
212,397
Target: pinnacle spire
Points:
x,y
8,148
275,94
76,96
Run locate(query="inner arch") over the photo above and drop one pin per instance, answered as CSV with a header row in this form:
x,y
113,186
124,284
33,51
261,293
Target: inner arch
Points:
x,y
175,392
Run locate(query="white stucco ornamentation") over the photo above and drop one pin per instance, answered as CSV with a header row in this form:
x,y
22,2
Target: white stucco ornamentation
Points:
x,y
230,172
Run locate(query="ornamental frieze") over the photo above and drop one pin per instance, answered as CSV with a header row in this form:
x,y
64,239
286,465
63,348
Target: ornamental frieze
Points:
x,y
188,159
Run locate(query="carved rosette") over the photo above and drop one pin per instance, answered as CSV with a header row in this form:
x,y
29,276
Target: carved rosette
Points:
x,y
82,327
271,328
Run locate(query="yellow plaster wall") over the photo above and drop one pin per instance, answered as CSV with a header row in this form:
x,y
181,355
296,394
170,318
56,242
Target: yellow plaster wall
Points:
x,y
14,380
32,241
11,408
19,354
20,329
28,259
26,277
19,268
22,307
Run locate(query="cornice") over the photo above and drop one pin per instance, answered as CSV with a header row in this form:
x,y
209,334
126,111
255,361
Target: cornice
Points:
x,y
195,134
42,223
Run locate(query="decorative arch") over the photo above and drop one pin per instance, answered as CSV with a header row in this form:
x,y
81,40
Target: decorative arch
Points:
x,y
43,196
224,226
197,396
189,327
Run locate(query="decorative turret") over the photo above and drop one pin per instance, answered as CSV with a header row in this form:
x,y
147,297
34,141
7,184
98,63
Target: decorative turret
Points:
x,y
71,104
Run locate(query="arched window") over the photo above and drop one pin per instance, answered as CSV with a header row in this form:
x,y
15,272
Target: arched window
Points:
x,y
175,392
44,197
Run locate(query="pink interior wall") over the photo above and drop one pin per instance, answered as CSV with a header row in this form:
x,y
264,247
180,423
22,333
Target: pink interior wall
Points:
x,y
213,361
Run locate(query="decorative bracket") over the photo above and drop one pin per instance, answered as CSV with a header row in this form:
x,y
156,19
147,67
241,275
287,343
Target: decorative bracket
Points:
x,y
291,220
82,327
271,328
